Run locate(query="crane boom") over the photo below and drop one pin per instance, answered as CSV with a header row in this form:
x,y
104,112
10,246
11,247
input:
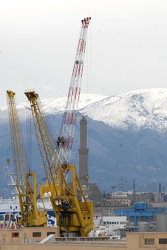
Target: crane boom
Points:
x,y
19,156
65,139
45,142
26,181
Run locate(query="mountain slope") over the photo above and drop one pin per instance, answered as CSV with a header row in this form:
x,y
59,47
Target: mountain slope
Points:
x,y
127,137
136,110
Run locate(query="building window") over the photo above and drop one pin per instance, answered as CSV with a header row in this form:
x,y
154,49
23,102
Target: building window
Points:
x,y
48,233
1,217
149,241
15,235
163,241
6,217
12,217
36,234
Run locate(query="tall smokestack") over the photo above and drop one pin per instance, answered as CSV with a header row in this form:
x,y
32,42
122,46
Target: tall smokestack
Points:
x,y
83,153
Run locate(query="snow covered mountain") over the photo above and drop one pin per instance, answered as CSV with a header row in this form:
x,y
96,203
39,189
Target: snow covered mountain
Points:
x,y
140,109
127,137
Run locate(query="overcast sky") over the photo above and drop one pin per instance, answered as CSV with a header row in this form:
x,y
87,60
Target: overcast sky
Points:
x,y
126,46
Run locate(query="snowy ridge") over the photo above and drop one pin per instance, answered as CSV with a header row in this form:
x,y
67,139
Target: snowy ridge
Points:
x,y
58,105
146,108
140,109
51,106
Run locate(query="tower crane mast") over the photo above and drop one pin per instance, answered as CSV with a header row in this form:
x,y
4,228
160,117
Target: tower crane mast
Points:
x,y
26,181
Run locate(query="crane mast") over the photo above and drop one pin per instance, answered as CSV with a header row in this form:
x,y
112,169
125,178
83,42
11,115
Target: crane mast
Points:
x,y
73,213
65,139
26,181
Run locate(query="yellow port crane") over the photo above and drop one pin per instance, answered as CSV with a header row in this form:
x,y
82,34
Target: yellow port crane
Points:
x,y
26,181
74,214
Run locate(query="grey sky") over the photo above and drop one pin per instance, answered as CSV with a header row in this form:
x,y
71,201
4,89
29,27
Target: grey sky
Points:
x,y
126,49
